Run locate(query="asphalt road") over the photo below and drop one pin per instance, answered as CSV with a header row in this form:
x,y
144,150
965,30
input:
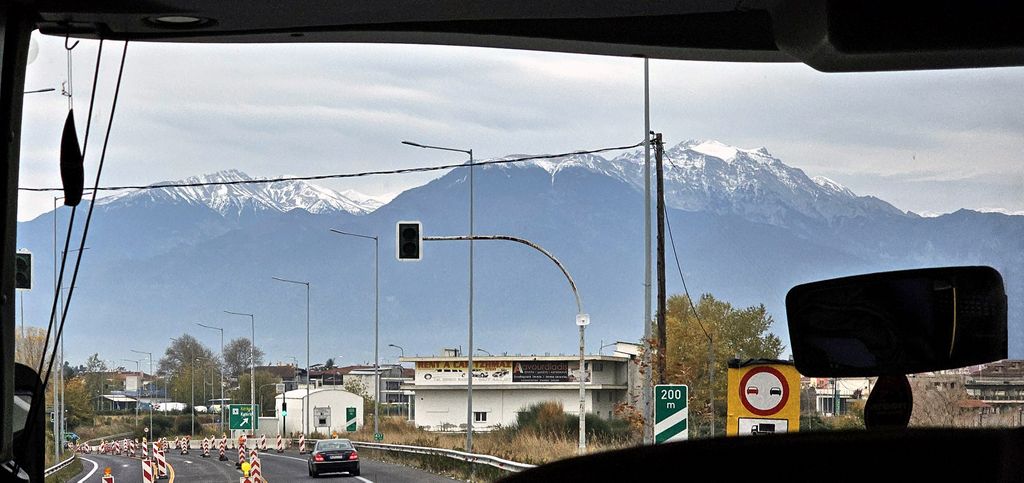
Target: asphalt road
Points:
x,y
286,467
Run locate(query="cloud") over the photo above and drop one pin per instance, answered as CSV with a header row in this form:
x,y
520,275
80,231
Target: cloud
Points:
x,y
316,108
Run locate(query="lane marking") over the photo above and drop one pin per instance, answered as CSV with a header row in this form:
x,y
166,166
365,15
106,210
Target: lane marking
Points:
x,y
95,467
360,478
170,469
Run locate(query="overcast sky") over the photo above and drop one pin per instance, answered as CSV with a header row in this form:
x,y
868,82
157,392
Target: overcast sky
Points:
x,y
929,142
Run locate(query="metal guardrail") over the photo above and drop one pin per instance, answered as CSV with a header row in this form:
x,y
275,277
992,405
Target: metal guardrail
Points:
x,y
494,461
59,466
486,459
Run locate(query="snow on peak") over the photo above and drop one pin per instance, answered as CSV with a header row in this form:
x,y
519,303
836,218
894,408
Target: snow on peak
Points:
x,y
832,185
281,196
725,152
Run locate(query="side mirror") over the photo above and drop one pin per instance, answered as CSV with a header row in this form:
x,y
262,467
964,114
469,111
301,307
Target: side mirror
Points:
x,y
897,323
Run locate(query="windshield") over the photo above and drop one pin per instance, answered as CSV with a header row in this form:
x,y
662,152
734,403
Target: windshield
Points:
x,y
321,239
333,445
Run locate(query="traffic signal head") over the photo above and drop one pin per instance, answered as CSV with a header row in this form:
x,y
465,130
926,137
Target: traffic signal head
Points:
x,y
23,270
284,408
409,240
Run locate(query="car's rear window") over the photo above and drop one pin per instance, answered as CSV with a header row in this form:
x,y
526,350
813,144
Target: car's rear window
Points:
x,y
333,445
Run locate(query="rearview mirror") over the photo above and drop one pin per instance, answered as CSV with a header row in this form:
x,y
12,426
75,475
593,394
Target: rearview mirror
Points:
x,y
896,323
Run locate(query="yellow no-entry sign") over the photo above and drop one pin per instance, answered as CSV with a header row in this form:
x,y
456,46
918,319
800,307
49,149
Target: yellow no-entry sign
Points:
x,y
763,397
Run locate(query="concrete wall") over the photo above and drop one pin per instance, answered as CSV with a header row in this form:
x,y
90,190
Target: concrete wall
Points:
x,y
436,407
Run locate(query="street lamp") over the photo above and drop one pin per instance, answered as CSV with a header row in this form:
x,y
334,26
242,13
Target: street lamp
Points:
x,y
138,368
150,354
469,360
192,406
582,319
221,370
305,406
399,348
484,351
261,395
252,357
376,322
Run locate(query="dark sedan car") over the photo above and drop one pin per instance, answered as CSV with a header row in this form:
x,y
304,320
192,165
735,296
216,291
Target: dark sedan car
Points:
x,y
332,456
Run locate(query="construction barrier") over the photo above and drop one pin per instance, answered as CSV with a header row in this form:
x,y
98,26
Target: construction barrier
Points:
x,y
280,444
254,466
223,445
206,448
161,460
185,445
145,448
147,471
302,444
263,442
241,456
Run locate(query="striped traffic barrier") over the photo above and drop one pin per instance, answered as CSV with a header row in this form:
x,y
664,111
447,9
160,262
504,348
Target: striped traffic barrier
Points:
x,y
302,444
147,471
186,444
254,466
263,442
280,444
223,445
145,448
107,477
241,456
206,447
161,460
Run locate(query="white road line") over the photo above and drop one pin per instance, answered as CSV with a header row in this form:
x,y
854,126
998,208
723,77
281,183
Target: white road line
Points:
x,y
94,468
360,478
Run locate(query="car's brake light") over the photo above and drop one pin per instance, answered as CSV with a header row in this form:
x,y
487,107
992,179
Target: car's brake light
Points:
x,y
353,456
318,457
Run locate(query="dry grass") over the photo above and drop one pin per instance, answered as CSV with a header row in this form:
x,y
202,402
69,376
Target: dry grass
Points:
x,y
519,446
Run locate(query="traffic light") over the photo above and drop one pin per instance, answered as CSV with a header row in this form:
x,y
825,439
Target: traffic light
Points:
x,y
23,270
284,408
409,239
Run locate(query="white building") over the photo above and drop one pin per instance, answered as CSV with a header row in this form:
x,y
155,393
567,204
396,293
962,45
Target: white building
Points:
x,y
332,409
505,385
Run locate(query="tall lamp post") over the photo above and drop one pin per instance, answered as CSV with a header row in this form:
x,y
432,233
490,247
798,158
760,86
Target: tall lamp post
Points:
x,y
252,357
582,319
469,351
138,368
399,348
150,354
376,323
220,370
305,405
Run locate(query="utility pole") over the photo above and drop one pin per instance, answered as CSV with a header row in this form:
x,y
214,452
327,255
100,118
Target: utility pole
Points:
x,y
659,151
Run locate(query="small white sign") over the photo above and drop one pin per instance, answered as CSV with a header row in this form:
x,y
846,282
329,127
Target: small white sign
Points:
x,y
756,426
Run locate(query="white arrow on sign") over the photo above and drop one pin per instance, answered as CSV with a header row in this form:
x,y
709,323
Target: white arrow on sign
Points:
x,y
245,421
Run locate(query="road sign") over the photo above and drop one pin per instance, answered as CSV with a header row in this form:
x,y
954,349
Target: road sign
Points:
x,y
378,437
243,416
671,414
350,419
763,397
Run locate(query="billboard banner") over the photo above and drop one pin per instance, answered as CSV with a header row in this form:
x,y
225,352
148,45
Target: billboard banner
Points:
x,y
545,371
454,372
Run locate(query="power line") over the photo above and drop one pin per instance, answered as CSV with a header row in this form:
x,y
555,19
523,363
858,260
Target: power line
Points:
x,y
421,169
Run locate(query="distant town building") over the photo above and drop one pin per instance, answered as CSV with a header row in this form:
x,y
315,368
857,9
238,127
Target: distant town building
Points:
x,y
505,385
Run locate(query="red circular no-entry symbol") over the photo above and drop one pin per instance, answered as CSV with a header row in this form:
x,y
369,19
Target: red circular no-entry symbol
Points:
x,y
764,391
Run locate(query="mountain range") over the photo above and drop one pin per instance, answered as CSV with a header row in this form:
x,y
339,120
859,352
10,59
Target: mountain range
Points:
x,y
746,225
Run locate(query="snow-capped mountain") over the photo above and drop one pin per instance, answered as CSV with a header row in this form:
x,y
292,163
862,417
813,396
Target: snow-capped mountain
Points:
x,y
237,199
707,175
